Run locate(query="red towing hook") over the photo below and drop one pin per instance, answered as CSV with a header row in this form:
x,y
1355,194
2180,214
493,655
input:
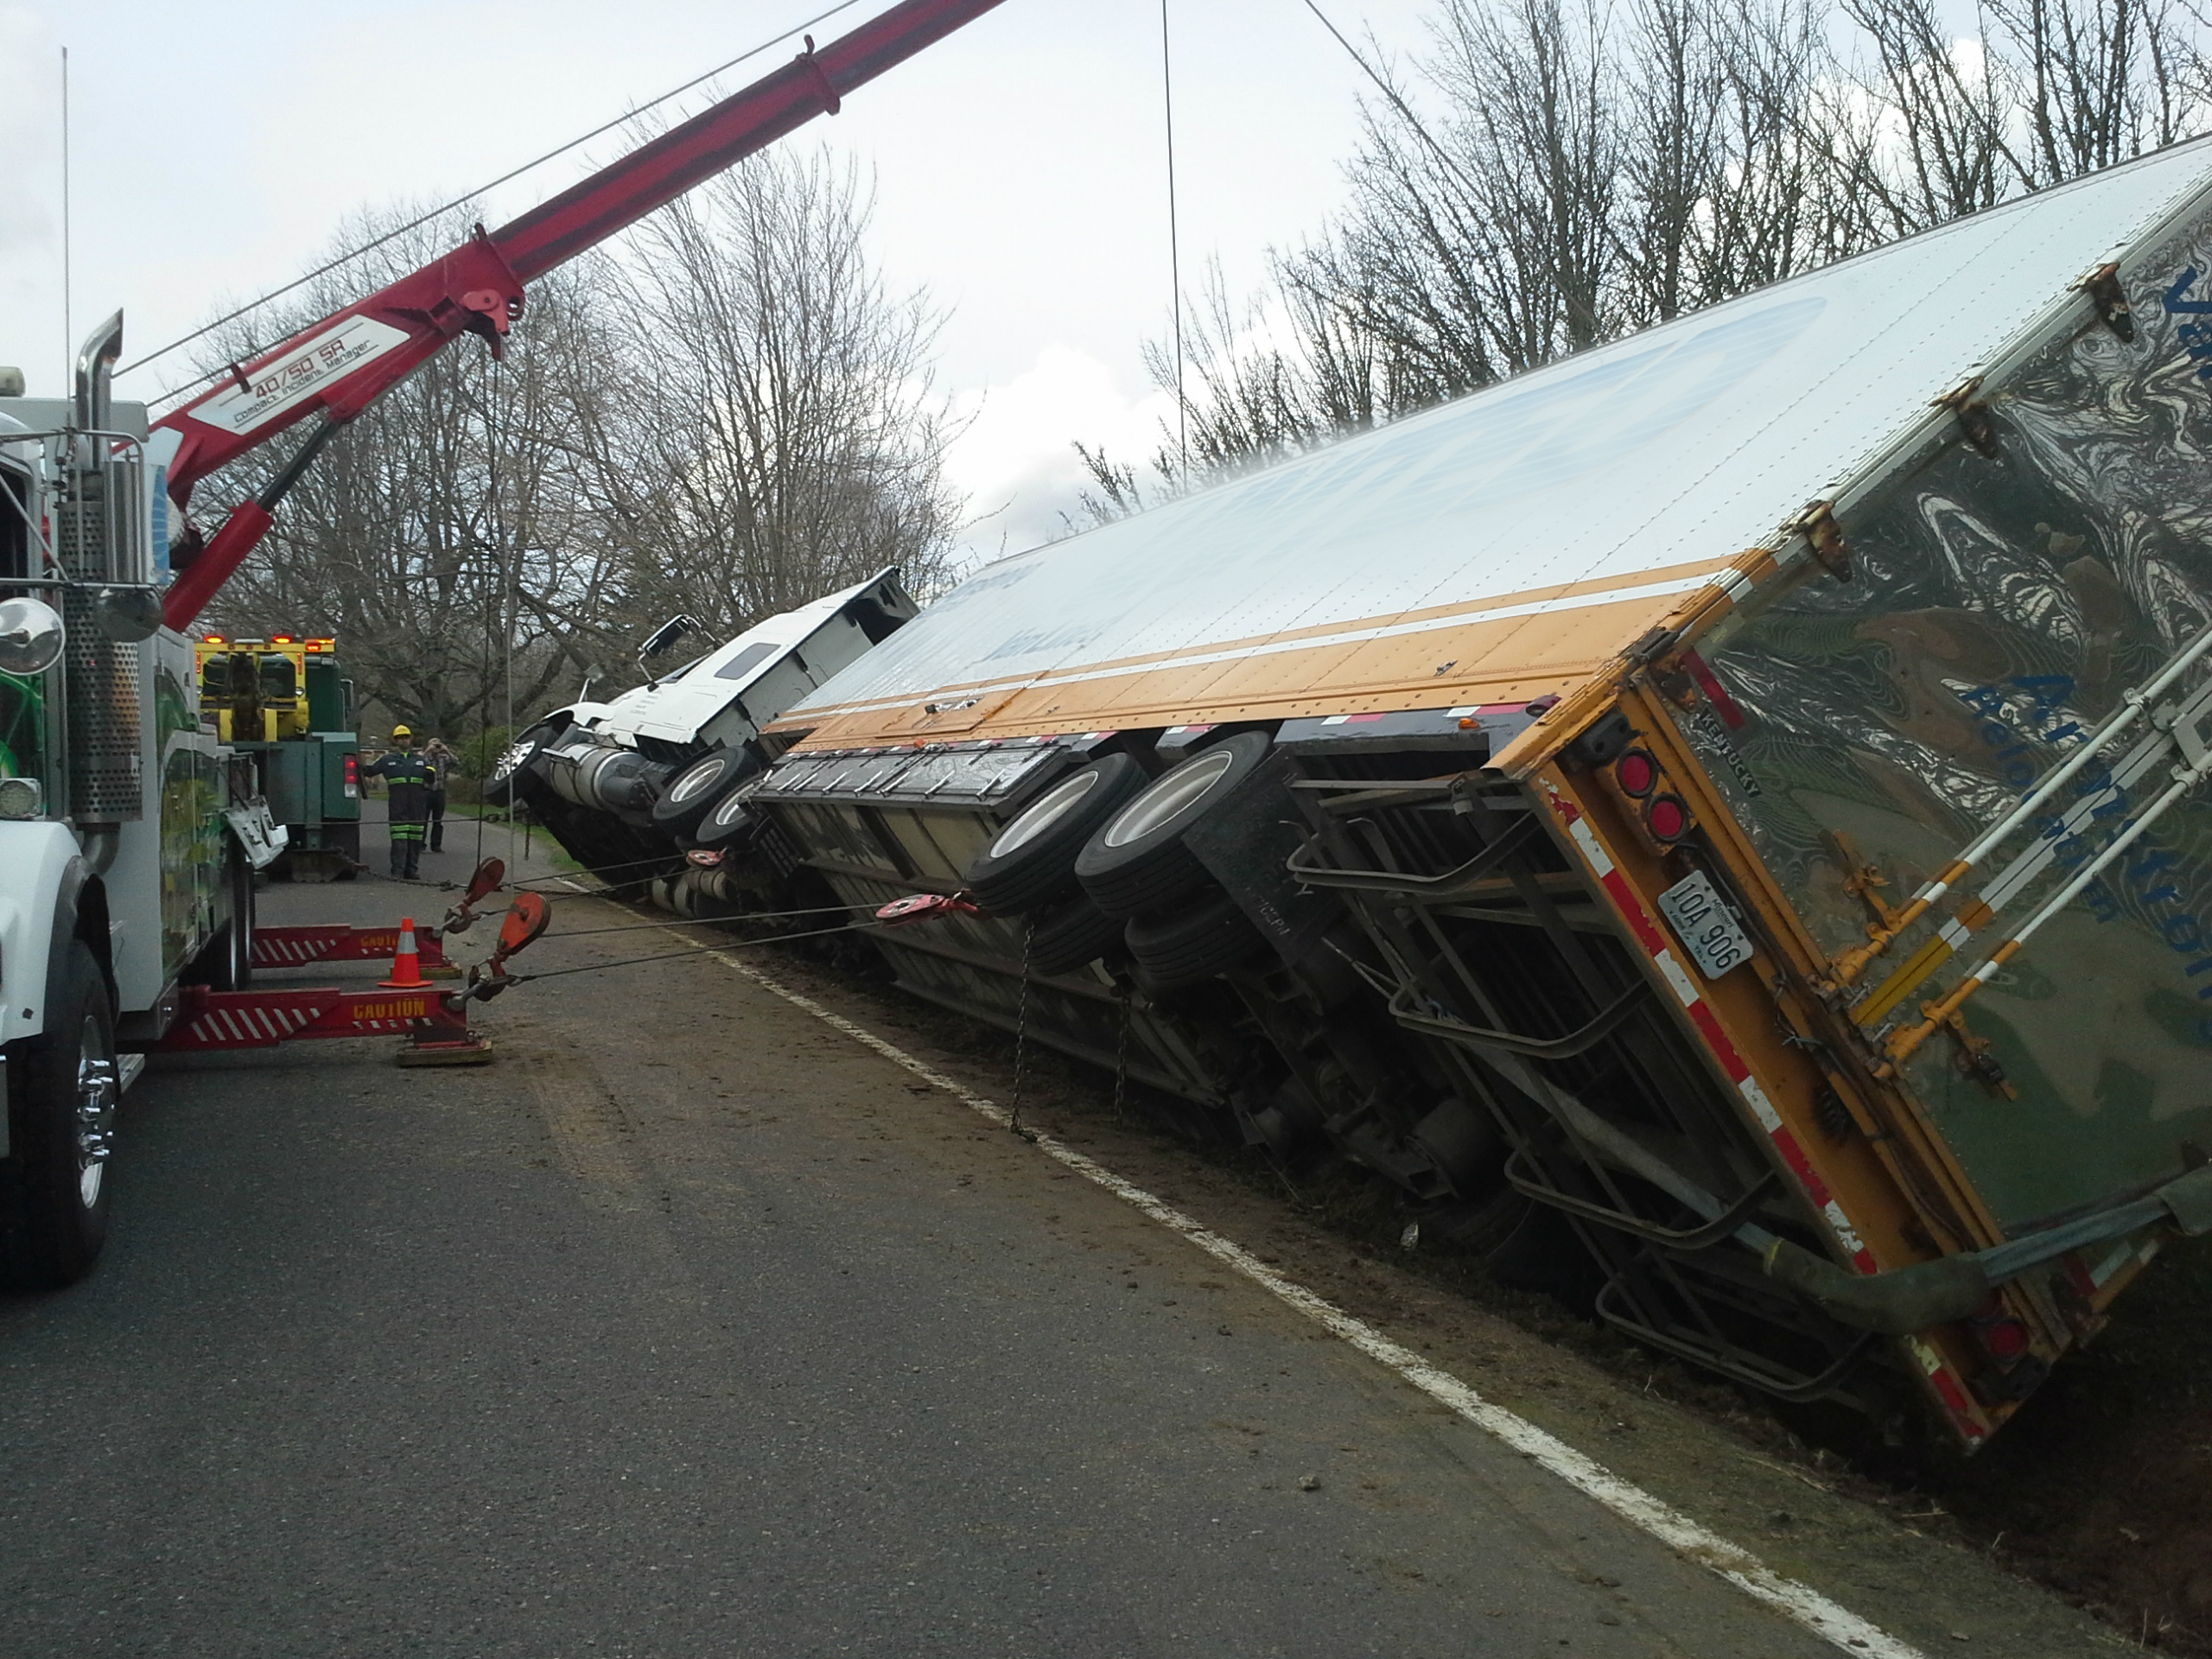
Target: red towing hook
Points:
x,y
924,907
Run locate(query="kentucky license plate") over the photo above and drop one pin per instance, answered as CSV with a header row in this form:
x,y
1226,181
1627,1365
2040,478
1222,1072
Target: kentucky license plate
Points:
x,y
1715,938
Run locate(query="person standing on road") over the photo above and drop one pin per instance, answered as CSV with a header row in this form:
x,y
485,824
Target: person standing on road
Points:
x,y
440,759
411,777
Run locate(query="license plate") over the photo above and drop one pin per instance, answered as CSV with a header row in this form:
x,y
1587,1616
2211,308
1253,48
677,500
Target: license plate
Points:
x,y
1706,925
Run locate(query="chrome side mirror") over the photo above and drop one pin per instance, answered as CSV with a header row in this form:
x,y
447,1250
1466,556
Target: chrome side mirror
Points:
x,y
31,636
127,615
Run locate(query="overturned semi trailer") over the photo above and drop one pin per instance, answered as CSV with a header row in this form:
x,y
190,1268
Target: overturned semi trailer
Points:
x,y
1732,798
629,785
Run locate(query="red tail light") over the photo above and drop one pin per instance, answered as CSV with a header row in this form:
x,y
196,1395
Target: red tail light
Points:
x,y
1668,818
1636,772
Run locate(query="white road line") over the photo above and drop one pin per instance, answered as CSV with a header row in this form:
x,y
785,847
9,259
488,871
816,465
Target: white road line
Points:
x,y
1799,1603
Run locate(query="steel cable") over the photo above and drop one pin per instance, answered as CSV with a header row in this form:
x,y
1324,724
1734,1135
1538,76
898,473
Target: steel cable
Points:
x,y
505,178
749,915
697,949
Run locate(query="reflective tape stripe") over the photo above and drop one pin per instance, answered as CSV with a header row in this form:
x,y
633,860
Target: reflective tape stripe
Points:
x,y
1735,584
1708,1024
1685,992
1947,1388
1762,1107
1599,860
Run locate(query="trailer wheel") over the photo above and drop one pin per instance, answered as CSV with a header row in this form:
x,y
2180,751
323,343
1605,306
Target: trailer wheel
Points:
x,y
1077,932
693,791
63,1093
1137,864
1194,943
1033,857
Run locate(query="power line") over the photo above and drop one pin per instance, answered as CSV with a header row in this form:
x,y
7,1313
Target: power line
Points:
x,y
1174,249
424,219
1397,103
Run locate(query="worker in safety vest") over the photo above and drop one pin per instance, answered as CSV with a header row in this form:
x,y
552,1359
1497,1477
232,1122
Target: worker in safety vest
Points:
x,y
412,777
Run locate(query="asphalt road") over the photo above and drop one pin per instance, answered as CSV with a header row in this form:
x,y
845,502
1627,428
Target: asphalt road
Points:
x,y
694,1327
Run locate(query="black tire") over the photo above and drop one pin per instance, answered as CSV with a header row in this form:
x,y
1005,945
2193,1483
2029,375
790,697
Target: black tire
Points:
x,y
236,973
726,823
1076,933
693,792
1136,864
225,961
54,1193
1194,944
1032,860
499,787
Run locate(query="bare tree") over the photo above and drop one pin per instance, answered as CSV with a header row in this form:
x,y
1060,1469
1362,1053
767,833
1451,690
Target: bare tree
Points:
x,y
783,437
1585,169
729,416
442,536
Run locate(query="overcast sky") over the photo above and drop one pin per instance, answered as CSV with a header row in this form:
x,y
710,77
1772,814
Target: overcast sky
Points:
x,y
1019,166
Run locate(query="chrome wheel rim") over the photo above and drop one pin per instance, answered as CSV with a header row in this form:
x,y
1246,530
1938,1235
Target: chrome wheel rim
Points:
x,y
98,1094
510,761
1167,798
1043,815
698,780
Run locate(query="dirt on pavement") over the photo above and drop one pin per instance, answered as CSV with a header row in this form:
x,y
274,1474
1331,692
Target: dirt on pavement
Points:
x,y
2101,1491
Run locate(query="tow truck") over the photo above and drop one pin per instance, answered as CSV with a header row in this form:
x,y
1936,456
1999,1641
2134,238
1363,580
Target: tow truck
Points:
x,y
286,702
129,833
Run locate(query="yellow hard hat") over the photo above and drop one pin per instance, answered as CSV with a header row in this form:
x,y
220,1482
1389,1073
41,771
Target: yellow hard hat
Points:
x,y
403,731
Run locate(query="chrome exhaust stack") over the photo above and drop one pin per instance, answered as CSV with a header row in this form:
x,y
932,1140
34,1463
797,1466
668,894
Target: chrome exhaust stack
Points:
x,y
100,538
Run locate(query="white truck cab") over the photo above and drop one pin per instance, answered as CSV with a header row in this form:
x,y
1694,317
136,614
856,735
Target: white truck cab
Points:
x,y
127,852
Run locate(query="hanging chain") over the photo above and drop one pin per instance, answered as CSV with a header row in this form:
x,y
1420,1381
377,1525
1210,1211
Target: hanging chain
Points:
x,y
1021,1026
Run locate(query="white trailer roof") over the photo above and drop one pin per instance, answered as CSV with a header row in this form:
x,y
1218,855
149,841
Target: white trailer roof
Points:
x,y
1505,545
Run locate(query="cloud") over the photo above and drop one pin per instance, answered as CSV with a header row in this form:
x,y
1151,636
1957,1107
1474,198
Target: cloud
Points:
x,y
1015,459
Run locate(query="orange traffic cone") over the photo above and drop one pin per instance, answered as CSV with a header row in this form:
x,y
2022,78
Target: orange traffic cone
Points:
x,y
406,965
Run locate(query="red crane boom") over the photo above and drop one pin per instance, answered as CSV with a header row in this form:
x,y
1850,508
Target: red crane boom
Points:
x,y
341,365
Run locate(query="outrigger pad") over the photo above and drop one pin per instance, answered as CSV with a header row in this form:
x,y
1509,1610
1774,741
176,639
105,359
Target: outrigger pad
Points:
x,y
472,1050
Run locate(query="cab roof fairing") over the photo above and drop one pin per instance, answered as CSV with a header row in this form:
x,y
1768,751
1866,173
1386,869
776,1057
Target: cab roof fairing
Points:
x,y
678,705
1510,543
